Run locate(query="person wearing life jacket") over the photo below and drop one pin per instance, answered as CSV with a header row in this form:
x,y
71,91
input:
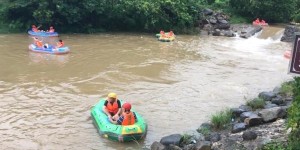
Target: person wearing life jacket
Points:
x,y
59,44
51,29
38,43
171,33
127,118
112,106
257,21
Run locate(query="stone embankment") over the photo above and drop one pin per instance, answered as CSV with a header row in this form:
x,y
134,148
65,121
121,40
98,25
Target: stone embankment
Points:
x,y
249,129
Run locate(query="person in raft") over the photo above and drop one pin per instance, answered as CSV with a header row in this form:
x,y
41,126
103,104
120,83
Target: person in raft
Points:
x,y
51,29
127,118
112,106
37,42
257,20
171,33
59,44
34,28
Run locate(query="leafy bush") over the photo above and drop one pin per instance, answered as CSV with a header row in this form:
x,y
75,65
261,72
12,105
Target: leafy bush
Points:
x,y
256,103
287,88
276,146
294,116
221,119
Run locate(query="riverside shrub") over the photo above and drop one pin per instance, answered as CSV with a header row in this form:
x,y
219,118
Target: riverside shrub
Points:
x,y
294,117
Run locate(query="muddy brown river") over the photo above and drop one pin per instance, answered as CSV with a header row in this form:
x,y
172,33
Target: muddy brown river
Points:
x,y
45,100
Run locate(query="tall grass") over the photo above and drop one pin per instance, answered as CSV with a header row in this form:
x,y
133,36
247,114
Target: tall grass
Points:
x,y
287,88
221,119
256,103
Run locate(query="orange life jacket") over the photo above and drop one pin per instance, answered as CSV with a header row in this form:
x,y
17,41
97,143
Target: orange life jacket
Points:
x,y
128,119
113,108
38,43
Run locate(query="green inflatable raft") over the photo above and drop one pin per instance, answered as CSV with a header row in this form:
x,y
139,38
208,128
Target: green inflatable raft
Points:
x,y
114,132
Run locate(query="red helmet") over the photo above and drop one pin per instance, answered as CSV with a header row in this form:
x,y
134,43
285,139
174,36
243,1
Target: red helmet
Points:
x,y
126,106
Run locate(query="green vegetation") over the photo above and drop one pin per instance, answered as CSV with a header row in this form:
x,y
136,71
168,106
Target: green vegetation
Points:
x,y
256,103
276,146
136,15
204,131
287,88
222,119
294,117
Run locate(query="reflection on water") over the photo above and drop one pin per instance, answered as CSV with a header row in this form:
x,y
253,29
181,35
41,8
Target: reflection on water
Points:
x,y
48,58
175,86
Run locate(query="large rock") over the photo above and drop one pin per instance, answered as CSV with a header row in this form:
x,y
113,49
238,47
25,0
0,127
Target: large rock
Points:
x,y
250,31
157,146
212,20
289,33
173,147
249,135
276,90
278,100
272,114
236,112
216,32
203,145
270,106
267,96
215,137
195,136
189,147
222,21
238,127
253,121
245,108
248,114
228,33
175,139
222,26
207,11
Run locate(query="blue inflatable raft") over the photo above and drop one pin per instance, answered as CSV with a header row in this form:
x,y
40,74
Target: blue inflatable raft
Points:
x,y
50,50
41,33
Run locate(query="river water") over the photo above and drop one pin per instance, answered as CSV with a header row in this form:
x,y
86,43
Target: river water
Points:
x,y
45,100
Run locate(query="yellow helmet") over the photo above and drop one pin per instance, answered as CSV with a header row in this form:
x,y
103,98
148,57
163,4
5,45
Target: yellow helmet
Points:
x,y
112,95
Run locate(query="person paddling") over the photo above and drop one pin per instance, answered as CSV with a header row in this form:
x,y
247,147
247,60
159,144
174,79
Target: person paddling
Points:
x,y
37,42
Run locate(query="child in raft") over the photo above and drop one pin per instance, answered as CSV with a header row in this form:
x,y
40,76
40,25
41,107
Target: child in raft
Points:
x,y
60,43
37,42
127,118
51,29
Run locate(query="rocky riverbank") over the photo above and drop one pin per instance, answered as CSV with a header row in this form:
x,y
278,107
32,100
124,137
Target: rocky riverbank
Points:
x,y
261,121
218,24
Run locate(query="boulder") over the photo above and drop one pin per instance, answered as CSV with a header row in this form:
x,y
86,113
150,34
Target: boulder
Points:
x,y
207,11
222,21
236,112
278,100
189,147
175,139
216,32
203,145
228,33
245,108
250,31
249,135
253,121
272,114
157,146
248,114
195,136
215,137
212,20
289,33
173,147
238,127
267,96
222,26
270,106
